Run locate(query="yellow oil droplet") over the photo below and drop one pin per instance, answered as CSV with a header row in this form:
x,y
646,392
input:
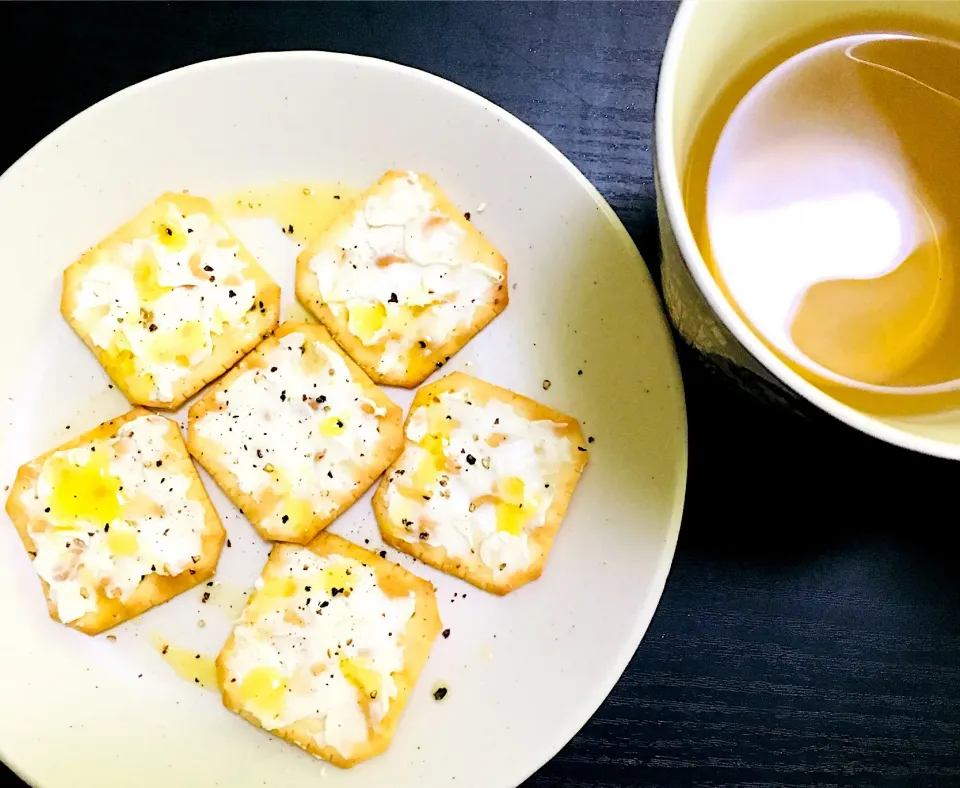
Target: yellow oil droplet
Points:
x,y
146,277
362,677
279,587
511,517
263,689
88,492
511,490
332,426
434,445
271,596
339,575
172,237
178,346
123,366
439,424
299,514
403,508
303,210
122,540
425,476
192,666
365,320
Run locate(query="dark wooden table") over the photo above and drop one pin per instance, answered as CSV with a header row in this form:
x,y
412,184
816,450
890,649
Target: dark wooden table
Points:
x,y
809,634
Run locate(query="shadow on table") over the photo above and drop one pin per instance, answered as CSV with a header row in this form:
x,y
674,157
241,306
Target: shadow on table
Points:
x,y
771,487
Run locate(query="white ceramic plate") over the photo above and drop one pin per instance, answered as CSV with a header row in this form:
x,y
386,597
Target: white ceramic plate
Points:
x,y
523,672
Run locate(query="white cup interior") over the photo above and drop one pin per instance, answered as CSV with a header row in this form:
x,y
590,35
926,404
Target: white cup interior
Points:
x,y
711,41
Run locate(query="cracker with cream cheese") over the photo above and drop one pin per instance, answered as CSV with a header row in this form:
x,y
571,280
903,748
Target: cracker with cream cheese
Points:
x,y
295,433
116,521
483,483
402,279
328,648
170,301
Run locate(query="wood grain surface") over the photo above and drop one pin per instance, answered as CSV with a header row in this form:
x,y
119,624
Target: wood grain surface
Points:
x,y
809,634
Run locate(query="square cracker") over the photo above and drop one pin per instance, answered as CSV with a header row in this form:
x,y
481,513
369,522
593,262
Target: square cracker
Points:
x,y
298,418
286,565
467,474
380,288
169,228
154,588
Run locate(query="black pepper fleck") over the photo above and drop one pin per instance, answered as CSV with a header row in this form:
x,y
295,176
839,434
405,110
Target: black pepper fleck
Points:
x,y
445,633
440,693
471,460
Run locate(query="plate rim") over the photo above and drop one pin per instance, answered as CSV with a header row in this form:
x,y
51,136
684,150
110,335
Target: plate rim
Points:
x,y
580,715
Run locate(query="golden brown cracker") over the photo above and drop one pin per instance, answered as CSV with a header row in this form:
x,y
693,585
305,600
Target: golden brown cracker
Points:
x,y
259,511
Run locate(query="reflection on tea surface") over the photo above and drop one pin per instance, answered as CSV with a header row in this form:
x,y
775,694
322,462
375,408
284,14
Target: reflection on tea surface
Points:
x,y
828,208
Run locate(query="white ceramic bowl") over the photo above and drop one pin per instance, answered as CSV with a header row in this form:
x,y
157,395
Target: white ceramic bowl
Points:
x,y
709,43
523,672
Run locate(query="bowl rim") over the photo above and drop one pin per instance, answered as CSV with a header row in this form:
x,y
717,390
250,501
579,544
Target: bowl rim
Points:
x,y
580,715
665,162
